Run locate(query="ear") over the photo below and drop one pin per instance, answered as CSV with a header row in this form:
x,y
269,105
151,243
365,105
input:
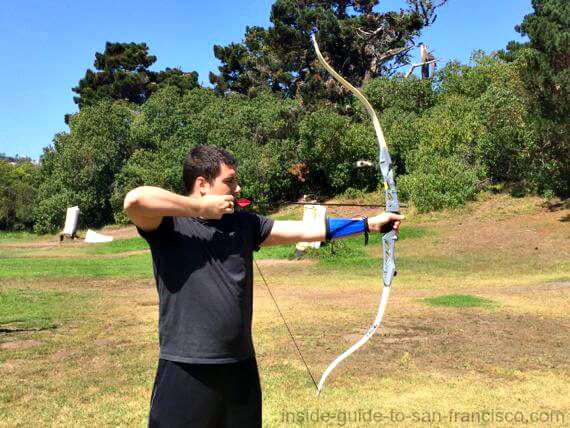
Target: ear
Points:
x,y
201,186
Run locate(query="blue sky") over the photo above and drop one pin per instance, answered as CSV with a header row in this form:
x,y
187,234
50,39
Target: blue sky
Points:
x,y
48,45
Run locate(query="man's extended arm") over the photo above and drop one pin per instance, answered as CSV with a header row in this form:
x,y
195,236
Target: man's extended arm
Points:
x,y
290,232
146,206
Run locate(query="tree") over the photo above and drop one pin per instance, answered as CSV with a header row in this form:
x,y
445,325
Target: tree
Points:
x,y
18,184
174,77
80,167
123,74
361,44
546,55
545,69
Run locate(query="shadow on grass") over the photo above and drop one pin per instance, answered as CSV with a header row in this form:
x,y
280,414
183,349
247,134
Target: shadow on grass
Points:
x,y
4,330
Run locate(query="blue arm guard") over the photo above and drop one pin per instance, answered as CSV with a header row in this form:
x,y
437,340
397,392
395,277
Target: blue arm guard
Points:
x,y
338,227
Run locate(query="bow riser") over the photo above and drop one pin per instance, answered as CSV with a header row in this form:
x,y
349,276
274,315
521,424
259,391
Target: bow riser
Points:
x,y
392,203
389,266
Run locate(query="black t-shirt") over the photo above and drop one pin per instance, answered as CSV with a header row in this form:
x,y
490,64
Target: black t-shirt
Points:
x,y
204,276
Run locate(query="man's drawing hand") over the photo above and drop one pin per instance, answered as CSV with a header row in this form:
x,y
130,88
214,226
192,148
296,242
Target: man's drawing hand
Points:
x,y
215,206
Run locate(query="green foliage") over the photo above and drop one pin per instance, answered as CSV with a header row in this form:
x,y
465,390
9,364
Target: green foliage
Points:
x,y
260,132
439,182
465,80
545,58
433,138
549,171
328,147
448,138
49,213
449,128
507,135
480,128
18,189
273,142
123,74
176,78
281,59
409,95
80,169
459,301
543,64
502,119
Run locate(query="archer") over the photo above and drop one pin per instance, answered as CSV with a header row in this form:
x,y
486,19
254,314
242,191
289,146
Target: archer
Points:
x,y
202,252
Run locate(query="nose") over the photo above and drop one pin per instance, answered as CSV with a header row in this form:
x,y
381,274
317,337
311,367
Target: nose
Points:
x,y
238,188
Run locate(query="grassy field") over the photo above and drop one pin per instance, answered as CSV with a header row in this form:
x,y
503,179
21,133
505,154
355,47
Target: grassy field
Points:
x,y
476,330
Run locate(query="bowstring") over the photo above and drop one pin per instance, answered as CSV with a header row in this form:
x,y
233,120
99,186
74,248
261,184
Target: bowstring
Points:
x,y
286,325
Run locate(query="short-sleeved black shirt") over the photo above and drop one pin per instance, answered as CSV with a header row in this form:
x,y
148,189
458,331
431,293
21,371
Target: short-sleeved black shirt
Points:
x,y
204,276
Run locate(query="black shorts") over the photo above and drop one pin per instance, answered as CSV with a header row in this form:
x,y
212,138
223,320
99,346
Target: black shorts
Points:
x,y
206,395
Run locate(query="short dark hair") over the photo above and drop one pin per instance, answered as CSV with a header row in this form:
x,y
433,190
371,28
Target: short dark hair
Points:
x,y
204,161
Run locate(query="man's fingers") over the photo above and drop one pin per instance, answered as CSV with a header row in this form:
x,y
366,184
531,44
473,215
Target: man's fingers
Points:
x,y
228,205
391,221
229,208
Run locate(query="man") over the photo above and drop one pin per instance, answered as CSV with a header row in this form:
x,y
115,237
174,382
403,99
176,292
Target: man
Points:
x,y
202,251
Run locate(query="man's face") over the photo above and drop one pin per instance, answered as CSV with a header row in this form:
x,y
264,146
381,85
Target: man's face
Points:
x,y
225,183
